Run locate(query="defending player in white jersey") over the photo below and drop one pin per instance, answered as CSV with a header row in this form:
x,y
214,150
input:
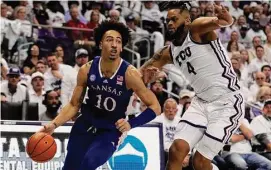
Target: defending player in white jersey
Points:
x,y
216,110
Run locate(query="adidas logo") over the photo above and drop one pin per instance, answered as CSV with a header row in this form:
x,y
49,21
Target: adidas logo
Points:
x,y
105,81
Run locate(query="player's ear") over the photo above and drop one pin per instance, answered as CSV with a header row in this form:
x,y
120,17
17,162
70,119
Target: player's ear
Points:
x,y
100,46
121,49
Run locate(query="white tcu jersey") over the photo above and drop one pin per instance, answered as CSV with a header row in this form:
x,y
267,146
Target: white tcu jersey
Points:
x,y
207,67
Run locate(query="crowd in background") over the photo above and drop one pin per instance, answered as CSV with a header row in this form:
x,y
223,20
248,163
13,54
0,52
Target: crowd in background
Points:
x,y
44,43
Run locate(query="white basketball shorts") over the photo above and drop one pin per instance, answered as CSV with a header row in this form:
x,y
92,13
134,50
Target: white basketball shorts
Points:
x,y
207,126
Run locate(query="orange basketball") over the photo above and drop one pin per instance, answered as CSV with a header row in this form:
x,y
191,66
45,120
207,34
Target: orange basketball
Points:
x,y
41,147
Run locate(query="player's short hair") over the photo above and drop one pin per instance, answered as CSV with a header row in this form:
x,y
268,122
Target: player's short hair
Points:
x,y
109,25
167,5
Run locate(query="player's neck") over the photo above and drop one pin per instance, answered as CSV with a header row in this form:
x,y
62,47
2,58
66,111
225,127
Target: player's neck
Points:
x,y
109,67
178,41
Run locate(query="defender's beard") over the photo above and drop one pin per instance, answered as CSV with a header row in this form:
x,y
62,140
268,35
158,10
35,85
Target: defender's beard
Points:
x,y
177,33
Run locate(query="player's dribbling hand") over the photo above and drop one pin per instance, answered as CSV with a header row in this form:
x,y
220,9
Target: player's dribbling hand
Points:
x,y
123,125
49,128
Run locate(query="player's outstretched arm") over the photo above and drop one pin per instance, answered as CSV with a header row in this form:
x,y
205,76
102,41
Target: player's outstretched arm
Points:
x,y
134,82
205,25
150,69
71,109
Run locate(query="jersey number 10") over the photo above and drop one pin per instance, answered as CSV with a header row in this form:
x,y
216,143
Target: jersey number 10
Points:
x,y
103,103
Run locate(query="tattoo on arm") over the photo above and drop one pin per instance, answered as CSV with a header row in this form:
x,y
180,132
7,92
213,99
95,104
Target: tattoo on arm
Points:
x,y
156,57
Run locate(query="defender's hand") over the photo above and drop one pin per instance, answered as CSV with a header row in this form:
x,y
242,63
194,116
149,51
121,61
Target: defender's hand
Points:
x,y
122,125
224,17
152,74
49,128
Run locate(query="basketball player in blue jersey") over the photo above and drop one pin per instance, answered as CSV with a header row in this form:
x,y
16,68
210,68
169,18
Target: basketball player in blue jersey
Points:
x,y
215,112
111,80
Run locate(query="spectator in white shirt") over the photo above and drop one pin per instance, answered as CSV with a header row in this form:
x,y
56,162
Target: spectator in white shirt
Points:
x,y
81,58
266,69
257,63
261,127
252,51
255,30
240,154
185,96
114,15
235,10
170,122
37,92
55,73
259,82
12,89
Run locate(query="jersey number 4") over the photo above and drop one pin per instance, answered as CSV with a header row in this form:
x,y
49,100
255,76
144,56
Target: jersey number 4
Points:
x,y
183,55
102,103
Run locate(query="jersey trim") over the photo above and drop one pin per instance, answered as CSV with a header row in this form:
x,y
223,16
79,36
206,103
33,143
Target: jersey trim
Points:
x,y
170,53
227,72
100,71
202,43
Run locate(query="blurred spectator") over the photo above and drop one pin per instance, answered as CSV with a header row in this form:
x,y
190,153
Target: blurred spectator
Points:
x,y
12,90
4,20
62,57
170,121
244,39
194,13
252,51
40,66
30,16
185,107
235,37
36,93
254,88
114,15
246,93
235,10
257,63
96,5
232,47
151,16
130,7
75,23
93,23
260,126
69,15
224,35
266,69
264,93
267,47
241,21
81,58
54,74
138,33
32,59
255,30
157,89
56,17
52,104
18,30
4,69
185,96
240,154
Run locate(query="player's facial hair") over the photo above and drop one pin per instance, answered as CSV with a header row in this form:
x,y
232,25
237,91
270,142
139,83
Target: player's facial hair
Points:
x,y
177,33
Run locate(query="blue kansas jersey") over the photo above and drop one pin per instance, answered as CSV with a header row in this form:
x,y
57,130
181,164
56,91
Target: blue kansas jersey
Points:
x,y
108,98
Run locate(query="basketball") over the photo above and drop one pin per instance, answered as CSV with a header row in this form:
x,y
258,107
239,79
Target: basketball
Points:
x,y
41,147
